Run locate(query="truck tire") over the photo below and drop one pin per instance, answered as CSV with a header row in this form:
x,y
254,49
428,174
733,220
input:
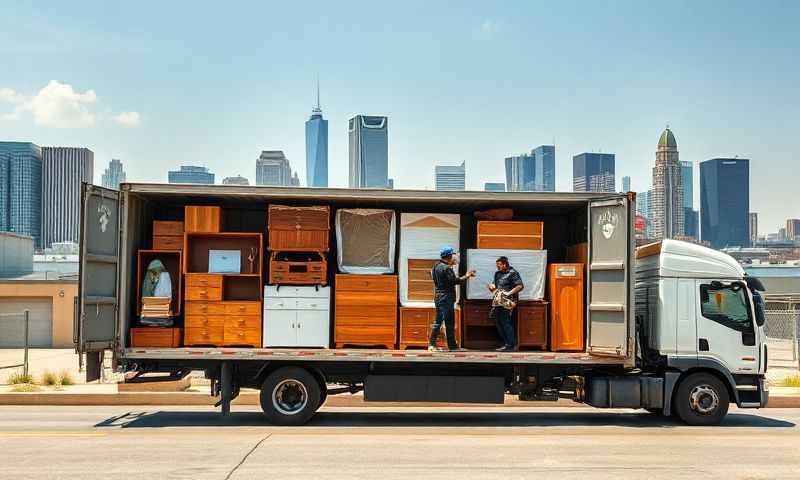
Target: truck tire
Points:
x,y
290,396
701,399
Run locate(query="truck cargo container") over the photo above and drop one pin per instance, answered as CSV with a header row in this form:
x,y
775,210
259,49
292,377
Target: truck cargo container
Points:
x,y
678,331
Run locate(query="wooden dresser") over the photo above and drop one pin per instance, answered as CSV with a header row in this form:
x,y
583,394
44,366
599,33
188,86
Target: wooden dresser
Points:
x,y
366,310
480,331
167,235
531,324
210,320
416,324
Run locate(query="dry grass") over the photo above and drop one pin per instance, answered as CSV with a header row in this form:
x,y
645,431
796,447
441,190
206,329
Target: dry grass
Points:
x,y
18,378
50,379
791,381
66,378
26,388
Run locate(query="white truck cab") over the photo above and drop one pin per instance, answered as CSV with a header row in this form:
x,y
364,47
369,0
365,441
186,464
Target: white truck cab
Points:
x,y
699,315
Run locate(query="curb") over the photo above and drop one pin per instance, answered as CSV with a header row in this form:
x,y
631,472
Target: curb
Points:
x,y
252,398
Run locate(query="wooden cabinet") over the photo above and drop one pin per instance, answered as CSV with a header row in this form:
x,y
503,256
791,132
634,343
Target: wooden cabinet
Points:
x,y
298,268
513,235
566,289
299,229
228,323
167,235
366,310
157,337
416,324
531,324
296,316
420,282
199,219
480,331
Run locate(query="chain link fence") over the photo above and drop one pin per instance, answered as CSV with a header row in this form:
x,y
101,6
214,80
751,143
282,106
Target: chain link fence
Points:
x,y
23,320
782,328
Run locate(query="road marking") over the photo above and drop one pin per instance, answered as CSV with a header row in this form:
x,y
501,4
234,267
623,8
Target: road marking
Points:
x,y
51,434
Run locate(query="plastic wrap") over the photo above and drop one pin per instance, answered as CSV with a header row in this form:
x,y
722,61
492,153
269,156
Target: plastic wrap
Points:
x,y
531,265
365,241
422,235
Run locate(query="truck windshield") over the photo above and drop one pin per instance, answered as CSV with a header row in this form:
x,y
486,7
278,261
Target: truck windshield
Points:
x,y
727,305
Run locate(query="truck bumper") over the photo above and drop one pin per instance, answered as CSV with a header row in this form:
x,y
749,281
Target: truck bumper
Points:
x,y
758,398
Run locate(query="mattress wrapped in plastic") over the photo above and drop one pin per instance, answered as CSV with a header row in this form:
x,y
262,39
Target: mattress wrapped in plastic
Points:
x,y
422,236
531,265
365,241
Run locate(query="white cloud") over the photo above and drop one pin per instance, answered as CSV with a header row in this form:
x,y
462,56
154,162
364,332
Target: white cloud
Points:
x,y
59,105
128,119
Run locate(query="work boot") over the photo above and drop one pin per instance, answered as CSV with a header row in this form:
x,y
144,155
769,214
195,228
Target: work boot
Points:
x,y
505,348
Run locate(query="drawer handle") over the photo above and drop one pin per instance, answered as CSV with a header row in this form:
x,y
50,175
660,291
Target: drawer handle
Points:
x,y
241,334
241,308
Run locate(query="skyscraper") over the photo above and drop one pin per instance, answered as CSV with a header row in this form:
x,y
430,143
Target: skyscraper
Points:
x,y
21,189
793,229
544,168
725,202
643,209
626,184
451,178
494,187
316,147
237,180
753,222
113,175
368,151
520,171
667,204
593,172
273,169
191,174
63,171
687,177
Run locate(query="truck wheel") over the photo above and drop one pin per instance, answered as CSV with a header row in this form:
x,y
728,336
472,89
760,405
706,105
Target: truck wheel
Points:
x,y
701,399
290,396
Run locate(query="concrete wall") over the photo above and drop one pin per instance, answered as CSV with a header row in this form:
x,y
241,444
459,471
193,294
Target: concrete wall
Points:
x,y
63,294
16,254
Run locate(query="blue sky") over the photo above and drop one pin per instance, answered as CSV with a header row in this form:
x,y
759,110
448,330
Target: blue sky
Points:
x,y
159,84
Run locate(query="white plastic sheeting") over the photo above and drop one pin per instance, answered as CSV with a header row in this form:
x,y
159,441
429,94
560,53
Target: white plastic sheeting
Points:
x,y
422,235
531,265
365,240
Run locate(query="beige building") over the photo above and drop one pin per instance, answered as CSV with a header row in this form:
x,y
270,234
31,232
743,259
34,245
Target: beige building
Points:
x,y
666,200
51,304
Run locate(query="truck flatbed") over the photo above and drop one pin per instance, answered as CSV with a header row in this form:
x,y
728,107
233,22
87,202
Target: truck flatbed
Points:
x,y
370,355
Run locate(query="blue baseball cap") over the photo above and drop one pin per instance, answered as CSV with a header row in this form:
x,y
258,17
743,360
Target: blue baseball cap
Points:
x,y
446,251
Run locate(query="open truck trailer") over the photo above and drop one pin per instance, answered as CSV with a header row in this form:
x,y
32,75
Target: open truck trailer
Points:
x,y
611,369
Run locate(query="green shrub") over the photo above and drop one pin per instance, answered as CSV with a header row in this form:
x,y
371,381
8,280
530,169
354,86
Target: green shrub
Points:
x,y
66,378
50,378
18,378
791,381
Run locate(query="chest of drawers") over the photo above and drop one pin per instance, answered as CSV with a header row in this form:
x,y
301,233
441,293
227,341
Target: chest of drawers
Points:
x,y
366,310
211,321
416,324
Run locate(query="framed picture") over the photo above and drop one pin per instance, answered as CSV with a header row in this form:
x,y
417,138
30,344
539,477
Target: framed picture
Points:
x,y
224,261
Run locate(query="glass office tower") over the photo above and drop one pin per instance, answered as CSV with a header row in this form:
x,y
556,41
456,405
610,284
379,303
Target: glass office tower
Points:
x,y
725,202
21,189
593,172
544,168
369,151
316,148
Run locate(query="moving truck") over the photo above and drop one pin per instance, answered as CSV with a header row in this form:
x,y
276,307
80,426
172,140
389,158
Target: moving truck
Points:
x,y
673,328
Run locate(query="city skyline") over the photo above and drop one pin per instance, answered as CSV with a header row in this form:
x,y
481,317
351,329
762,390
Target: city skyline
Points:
x,y
136,112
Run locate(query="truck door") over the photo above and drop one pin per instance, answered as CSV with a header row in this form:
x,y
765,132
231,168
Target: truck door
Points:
x,y
98,284
725,326
608,272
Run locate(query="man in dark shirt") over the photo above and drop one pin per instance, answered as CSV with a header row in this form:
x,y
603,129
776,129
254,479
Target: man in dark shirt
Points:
x,y
446,282
506,279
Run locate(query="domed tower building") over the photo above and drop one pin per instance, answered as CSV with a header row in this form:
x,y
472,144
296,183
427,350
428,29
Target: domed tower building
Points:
x,y
666,202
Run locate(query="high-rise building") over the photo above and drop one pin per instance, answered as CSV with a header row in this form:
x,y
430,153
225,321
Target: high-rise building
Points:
x,y
753,223
494,187
21,189
593,172
451,178
191,174
667,204
113,175
368,151
643,209
626,184
793,229
687,177
520,171
295,181
316,147
691,223
237,180
725,202
273,169
544,168
63,171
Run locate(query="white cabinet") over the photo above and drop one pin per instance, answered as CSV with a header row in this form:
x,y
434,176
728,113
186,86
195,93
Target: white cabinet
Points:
x,y
296,316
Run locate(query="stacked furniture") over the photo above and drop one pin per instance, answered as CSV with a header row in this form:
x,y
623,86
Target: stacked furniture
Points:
x,y
366,310
566,289
365,240
222,307
296,316
480,331
298,241
512,235
422,235
167,235
531,265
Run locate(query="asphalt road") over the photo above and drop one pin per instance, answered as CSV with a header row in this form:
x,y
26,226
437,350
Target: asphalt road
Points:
x,y
464,443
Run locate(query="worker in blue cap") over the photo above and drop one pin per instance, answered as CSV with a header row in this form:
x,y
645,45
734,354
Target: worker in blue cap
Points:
x,y
446,282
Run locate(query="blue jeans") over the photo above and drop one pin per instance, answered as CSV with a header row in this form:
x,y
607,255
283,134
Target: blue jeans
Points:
x,y
445,313
505,326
